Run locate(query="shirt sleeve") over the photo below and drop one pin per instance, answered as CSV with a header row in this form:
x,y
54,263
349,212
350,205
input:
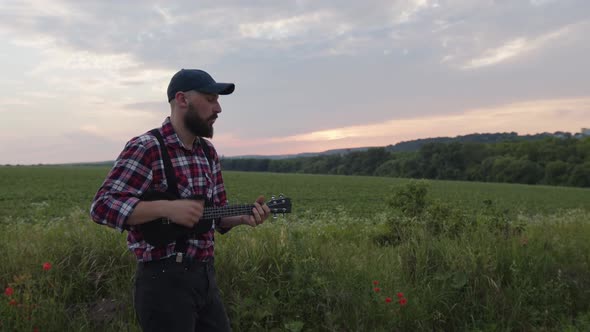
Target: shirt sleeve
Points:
x,y
118,196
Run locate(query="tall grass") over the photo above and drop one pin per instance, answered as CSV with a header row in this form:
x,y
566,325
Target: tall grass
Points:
x,y
88,264
318,274
466,256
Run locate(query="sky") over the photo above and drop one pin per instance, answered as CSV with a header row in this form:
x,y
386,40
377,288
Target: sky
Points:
x,y
80,78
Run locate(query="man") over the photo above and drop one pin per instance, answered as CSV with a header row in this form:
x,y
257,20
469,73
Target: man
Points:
x,y
175,287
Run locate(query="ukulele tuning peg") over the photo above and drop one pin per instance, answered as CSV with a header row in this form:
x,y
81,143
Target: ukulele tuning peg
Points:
x,y
274,216
281,196
273,197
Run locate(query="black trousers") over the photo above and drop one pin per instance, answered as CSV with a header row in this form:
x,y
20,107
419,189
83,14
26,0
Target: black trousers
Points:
x,y
170,296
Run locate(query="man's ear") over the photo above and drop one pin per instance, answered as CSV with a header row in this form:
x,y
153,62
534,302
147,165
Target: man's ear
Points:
x,y
181,97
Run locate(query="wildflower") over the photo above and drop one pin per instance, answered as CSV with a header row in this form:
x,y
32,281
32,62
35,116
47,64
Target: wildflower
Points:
x,y
9,291
13,302
36,329
46,266
400,295
375,282
377,289
388,299
403,301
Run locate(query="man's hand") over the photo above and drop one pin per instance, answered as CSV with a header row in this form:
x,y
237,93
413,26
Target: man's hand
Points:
x,y
260,213
185,212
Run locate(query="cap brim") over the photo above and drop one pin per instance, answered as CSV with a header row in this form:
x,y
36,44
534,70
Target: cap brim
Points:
x,y
218,88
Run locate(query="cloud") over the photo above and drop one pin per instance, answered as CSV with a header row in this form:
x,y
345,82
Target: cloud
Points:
x,y
215,31
5,103
541,2
86,144
110,29
169,19
283,28
149,106
180,32
528,117
72,60
406,11
322,67
504,52
513,48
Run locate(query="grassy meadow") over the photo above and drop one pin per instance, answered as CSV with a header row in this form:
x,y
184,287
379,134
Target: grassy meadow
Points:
x,y
356,254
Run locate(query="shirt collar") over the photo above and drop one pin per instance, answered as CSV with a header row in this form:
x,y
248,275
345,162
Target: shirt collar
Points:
x,y
171,138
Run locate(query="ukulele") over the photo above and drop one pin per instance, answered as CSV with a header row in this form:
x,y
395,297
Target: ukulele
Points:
x,y
162,231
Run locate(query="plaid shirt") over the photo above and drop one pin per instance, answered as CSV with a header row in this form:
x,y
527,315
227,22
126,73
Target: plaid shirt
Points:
x,y
138,168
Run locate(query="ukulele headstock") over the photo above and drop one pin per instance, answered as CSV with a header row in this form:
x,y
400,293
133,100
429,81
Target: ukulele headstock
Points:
x,y
279,205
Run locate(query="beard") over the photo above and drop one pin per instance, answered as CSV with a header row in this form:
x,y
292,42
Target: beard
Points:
x,y
197,125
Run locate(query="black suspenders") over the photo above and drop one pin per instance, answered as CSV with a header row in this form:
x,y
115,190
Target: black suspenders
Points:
x,y
181,242
168,169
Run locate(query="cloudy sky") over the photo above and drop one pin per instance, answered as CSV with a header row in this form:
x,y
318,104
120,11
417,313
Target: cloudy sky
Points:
x,y
80,78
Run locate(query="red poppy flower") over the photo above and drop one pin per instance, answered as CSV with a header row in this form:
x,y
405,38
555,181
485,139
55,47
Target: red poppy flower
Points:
x,y
388,299
13,302
375,282
377,289
36,329
400,295
46,266
403,301
9,291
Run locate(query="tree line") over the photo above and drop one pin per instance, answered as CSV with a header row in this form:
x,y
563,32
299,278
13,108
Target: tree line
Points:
x,y
550,161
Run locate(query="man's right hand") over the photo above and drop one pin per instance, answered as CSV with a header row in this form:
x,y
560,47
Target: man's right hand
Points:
x,y
185,212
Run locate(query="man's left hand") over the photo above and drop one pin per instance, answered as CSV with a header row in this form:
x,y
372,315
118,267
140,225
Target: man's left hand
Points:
x,y
260,213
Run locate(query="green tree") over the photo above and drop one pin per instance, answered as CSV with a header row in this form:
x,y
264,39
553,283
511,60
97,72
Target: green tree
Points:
x,y
580,176
510,169
556,173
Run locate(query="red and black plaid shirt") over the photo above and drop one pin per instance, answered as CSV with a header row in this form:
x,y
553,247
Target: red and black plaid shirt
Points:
x,y
138,168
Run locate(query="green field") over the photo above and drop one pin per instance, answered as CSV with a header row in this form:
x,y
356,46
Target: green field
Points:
x,y
468,256
51,191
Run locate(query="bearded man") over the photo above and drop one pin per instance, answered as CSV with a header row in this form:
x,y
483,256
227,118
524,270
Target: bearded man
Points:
x,y
175,287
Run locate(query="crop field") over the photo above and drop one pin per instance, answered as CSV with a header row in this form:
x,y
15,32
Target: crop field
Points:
x,y
356,254
52,191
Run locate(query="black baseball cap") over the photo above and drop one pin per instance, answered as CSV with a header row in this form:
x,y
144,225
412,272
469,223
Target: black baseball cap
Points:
x,y
198,80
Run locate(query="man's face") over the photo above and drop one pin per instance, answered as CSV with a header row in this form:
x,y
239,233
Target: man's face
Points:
x,y
201,113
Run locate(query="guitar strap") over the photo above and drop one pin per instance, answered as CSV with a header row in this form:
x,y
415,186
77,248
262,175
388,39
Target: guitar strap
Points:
x,y
181,241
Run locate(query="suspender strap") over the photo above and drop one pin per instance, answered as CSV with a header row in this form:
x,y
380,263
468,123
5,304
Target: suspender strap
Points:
x,y
181,241
205,148
168,169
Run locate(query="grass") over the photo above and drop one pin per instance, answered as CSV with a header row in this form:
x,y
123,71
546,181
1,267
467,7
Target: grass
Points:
x,y
49,192
482,270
